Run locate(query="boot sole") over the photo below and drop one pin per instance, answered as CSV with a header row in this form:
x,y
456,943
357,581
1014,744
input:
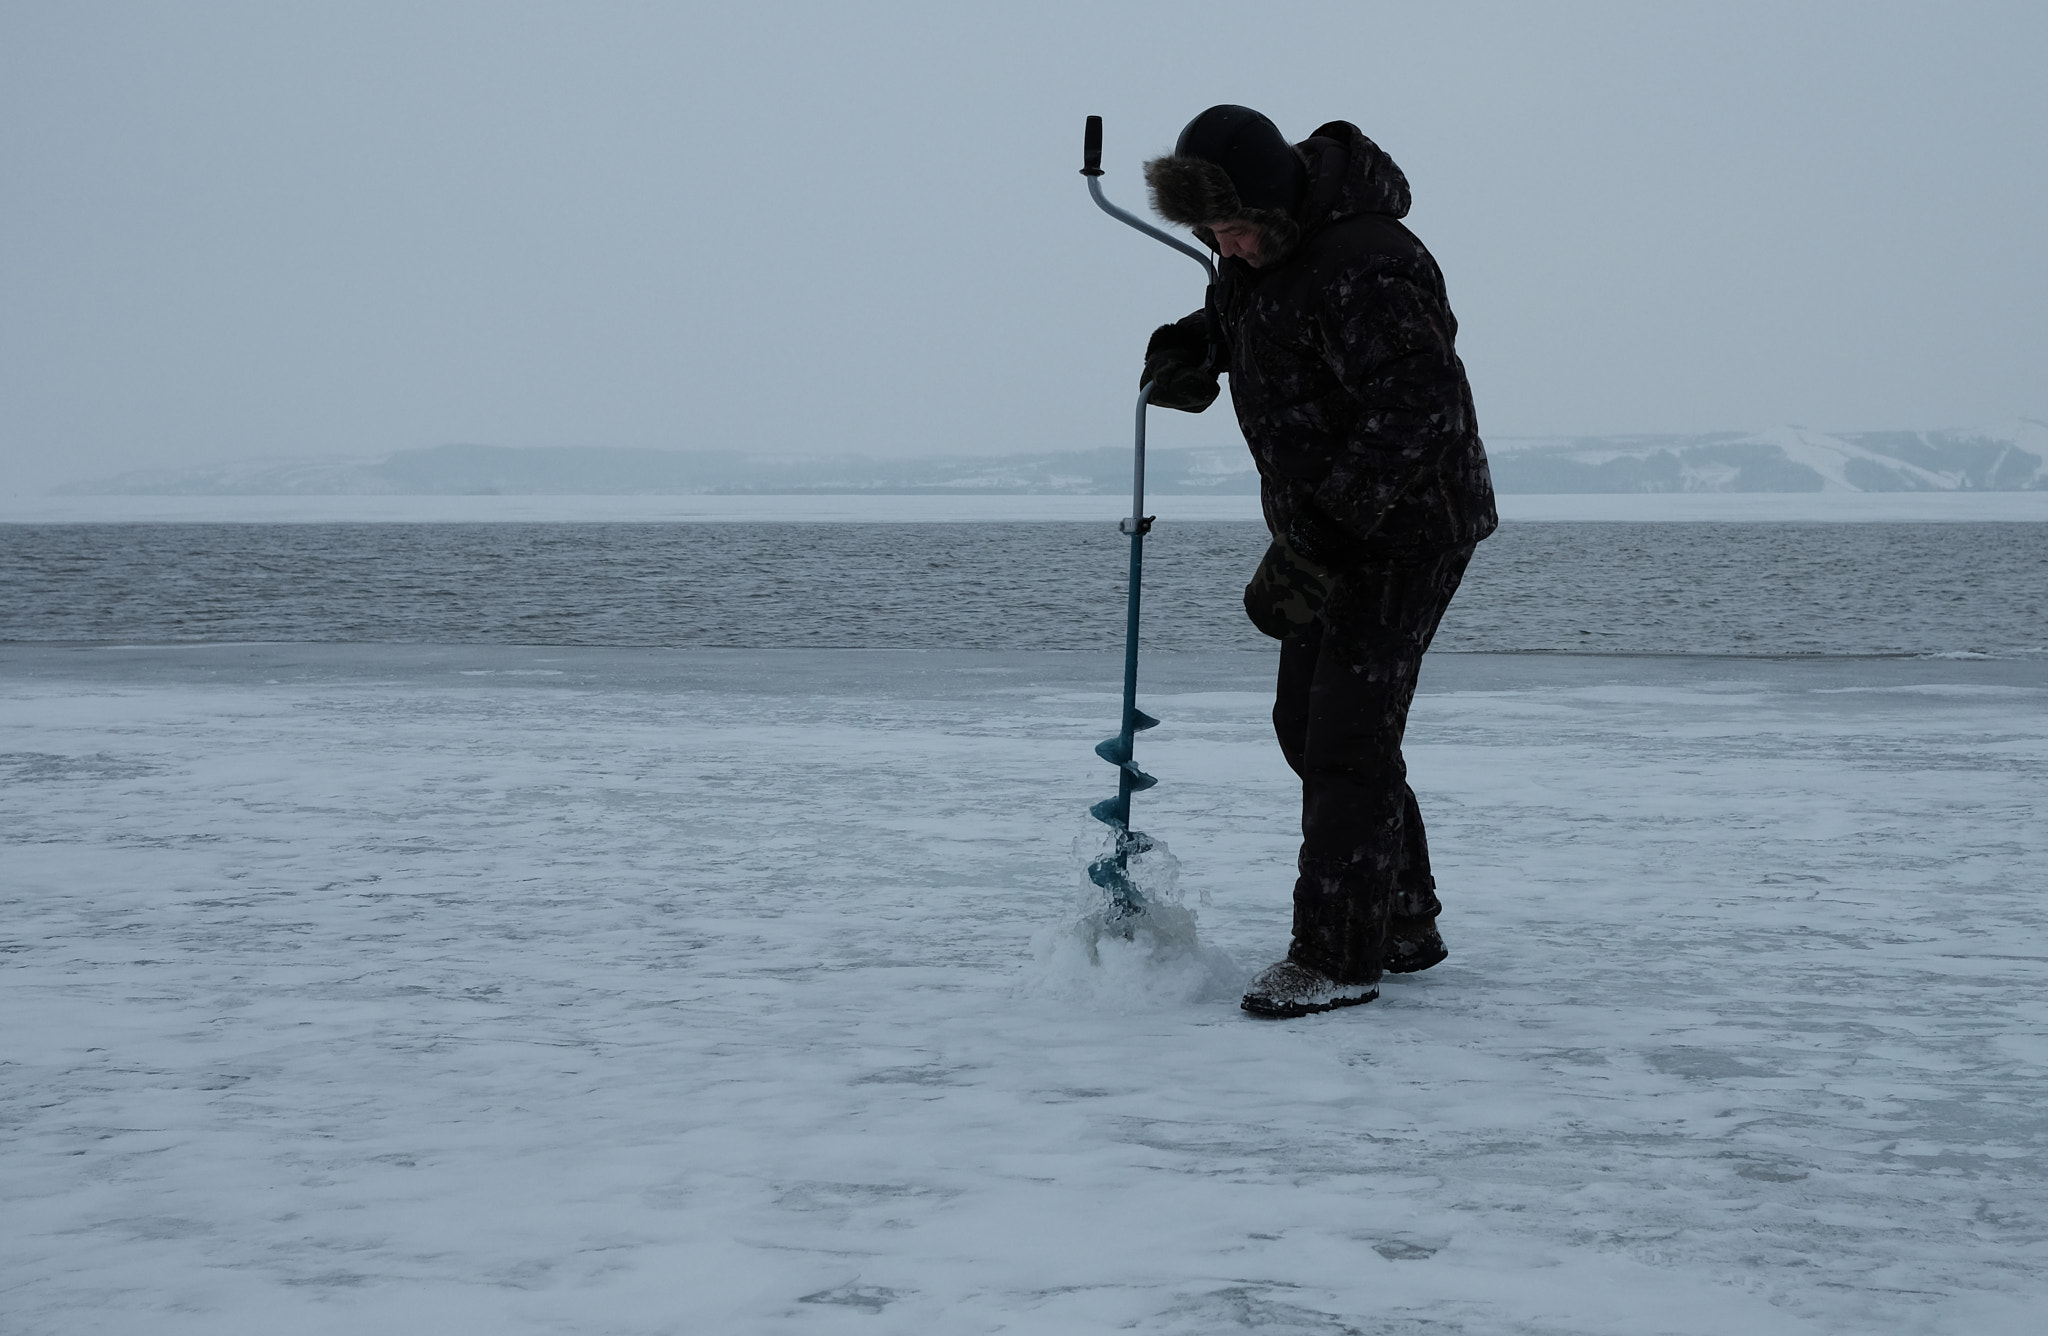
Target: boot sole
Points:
x,y
1282,1011
1419,964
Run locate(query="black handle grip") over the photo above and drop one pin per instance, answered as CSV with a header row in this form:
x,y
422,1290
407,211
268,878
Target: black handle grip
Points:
x,y
1091,148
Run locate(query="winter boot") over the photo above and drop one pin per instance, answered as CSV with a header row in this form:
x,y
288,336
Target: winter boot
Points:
x,y
1413,945
1291,989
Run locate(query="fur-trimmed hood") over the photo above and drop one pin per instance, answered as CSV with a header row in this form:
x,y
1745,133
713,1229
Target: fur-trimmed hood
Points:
x,y
1348,174
1194,191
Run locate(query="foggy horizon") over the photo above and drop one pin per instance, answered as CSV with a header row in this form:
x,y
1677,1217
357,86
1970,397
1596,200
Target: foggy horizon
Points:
x,y
235,232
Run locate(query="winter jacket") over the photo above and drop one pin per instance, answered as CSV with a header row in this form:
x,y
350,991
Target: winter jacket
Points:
x,y
1345,377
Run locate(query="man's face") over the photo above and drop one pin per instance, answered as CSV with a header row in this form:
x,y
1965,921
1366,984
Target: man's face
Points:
x,y
1238,239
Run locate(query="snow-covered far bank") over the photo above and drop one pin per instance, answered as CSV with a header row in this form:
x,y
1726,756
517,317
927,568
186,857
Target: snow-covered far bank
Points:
x,y
1780,507
744,509
1643,507
1782,459
495,990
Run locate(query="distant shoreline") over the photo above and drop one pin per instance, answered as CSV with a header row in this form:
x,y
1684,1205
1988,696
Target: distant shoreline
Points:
x,y
757,508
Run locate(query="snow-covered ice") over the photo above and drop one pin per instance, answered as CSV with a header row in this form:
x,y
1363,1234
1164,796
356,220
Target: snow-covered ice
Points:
x,y
488,990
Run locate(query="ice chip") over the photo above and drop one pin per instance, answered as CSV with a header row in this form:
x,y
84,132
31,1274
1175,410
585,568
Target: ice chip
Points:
x,y
1152,958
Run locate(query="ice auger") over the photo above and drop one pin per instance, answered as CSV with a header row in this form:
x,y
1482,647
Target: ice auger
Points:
x,y
1110,871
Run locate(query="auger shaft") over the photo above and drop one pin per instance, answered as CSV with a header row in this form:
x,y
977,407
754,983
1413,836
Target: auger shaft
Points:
x,y
1119,750
1110,871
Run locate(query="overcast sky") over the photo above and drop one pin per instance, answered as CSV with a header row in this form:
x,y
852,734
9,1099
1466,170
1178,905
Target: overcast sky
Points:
x,y
242,230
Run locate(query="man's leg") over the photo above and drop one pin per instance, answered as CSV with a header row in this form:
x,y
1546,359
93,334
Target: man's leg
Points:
x,y
1413,942
1341,712
1298,656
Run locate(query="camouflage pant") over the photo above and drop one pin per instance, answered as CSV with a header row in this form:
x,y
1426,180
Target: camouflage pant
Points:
x,y
1341,708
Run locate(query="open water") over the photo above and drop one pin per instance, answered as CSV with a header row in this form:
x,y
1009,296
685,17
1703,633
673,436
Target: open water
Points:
x,y
1693,588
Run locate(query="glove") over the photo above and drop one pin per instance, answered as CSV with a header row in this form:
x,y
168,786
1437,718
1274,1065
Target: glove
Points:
x,y
1287,592
1173,363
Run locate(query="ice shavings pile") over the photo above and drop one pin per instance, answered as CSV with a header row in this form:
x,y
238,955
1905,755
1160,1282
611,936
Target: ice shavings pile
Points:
x,y
1100,957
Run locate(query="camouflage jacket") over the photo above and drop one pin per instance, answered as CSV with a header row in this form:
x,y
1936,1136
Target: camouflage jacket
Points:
x,y
1345,377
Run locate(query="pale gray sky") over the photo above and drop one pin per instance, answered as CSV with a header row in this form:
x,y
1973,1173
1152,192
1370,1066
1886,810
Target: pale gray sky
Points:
x,y
237,230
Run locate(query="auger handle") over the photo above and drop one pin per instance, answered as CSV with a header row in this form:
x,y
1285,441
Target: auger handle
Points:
x,y
1091,157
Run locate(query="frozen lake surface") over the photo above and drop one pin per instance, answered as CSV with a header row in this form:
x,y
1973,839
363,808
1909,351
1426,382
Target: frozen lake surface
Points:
x,y
500,990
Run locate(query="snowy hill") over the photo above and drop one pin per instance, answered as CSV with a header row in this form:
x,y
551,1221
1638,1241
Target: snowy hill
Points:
x,y
1783,459
488,470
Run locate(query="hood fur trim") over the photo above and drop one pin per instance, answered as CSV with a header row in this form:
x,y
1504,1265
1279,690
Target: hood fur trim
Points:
x,y
1191,191
1194,192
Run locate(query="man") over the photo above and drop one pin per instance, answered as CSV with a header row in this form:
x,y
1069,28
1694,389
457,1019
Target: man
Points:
x,y
1333,323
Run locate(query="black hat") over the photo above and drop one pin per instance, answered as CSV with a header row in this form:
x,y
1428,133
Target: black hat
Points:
x,y
1252,152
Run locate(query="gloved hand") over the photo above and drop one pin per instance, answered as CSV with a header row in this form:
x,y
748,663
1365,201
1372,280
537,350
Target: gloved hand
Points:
x,y
1287,592
1173,363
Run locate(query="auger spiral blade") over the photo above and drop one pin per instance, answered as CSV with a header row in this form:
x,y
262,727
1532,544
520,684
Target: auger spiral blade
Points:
x,y
1111,873
1117,751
